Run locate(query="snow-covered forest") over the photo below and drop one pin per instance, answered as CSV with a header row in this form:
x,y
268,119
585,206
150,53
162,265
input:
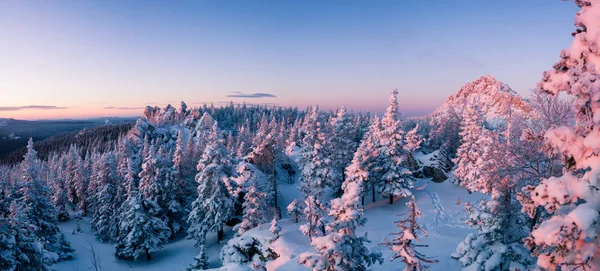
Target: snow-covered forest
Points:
x,y
488,181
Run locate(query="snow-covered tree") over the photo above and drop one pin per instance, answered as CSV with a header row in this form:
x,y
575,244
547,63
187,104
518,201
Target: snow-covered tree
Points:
x,y
256,210
294,209
140,228
413,140
106,208
200,260
445,131
497,244
343,146
214,205
467,167
315,213
341,249
403,245
396,178
59,196
274,228
569,239
35,210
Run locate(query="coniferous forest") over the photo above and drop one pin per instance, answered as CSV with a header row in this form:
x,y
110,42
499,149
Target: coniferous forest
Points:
x,y
490,180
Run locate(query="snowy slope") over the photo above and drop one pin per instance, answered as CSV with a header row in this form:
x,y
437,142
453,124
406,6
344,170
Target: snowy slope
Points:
x,y
442,217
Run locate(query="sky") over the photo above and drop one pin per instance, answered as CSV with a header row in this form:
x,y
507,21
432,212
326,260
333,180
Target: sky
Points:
x,y
80,59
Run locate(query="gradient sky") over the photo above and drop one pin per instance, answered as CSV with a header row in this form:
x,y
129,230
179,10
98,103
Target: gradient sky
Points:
x,y
111,58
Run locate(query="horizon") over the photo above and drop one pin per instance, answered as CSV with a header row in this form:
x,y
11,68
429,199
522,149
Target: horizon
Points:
x,y
81,60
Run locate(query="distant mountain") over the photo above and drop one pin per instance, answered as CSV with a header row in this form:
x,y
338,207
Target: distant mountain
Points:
x,y
495,99
15,133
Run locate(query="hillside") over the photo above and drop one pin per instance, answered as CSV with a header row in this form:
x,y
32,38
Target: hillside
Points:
x,y
495,98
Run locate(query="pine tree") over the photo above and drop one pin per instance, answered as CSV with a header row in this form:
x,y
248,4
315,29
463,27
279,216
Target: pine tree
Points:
x,y
107,180
34,208
315,213
256,210
396,178
275,229
28,253
59,198
497,244
343,147
467,155
200,261
403,245
341,249
572,198
295,210
140,229
413,140
214,205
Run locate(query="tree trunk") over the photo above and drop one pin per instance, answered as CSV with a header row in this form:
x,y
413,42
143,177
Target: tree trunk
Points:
x,y
391,199
148,255
363,200
373,190
220,235
296,219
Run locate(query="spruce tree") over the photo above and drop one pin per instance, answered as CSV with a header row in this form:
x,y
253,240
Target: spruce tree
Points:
x,y
214,205
341,249
403,245
343,147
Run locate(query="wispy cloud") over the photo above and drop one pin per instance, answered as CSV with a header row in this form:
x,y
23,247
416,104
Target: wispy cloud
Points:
x,y
123,108
257,95
35,107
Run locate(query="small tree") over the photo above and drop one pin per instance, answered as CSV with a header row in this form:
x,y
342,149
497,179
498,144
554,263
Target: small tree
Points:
x,y
403,245
275,229
200,261
295,210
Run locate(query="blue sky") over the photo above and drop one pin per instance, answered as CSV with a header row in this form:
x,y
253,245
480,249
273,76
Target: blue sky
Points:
x,y
101,58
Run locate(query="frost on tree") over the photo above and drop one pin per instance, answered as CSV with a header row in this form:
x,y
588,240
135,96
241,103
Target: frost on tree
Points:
x,y
274,228
343,146
315,213
106,208
403,245
256,210
396,178
341,249
497,244
295,210
468,154
35,210
569,240
214,205
200,261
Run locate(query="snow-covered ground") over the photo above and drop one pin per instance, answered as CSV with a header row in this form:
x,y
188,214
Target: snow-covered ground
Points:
x,y
442,217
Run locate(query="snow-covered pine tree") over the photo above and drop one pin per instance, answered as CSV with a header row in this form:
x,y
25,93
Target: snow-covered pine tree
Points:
x,y
35,210
294,209
413,140
81,179
7,245
573,199
200,260
274,228
341,249
27,252
256,210
59,198
467,155
497,244
105,210
403,245
315,213
214,205
342,146
396,178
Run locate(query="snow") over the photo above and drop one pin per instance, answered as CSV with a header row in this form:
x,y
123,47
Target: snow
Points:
x,y
179,254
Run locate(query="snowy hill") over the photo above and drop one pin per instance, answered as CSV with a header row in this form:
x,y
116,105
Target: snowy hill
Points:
x,y
495,98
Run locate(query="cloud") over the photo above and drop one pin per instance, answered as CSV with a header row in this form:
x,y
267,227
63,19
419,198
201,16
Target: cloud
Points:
x,y
35,107
124,108
257,95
